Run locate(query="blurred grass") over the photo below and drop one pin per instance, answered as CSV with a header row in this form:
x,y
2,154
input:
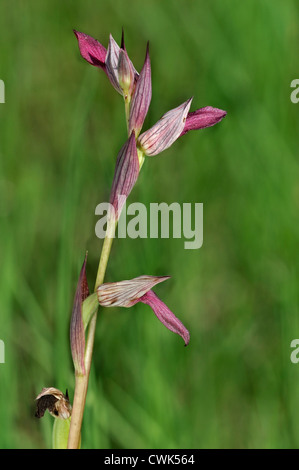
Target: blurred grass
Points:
x,y
60,130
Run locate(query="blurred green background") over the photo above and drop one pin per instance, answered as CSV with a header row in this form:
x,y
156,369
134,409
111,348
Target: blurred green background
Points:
x,y
61,128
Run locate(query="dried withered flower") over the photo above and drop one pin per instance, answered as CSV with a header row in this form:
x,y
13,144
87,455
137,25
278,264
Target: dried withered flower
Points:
x,y
55,402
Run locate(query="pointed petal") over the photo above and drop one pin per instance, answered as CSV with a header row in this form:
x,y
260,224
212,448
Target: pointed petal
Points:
x,y
123,47
165,131
122,42
126,73
112,63
91,49
126,174
165,315
203,117
127,293
141,98
77,335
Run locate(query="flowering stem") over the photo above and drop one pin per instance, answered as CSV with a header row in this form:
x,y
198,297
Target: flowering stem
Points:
x,y
104,256
81,381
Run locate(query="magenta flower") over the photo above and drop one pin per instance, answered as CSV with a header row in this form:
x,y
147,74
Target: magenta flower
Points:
x,y
114,61
203,117
91,50
139,289
137,90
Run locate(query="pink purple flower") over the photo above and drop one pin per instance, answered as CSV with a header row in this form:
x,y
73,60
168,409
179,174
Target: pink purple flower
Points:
x,y
128,293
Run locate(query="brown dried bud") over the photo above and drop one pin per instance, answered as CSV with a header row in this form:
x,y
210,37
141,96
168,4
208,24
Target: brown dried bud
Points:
x,y
55,402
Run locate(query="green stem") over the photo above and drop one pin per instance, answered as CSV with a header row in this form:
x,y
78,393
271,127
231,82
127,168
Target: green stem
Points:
x,y
127,101
105,256
81,382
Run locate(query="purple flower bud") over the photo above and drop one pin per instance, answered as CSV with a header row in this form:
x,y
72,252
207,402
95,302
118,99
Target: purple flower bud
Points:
x,y
114,61
77,335
141,97
119,68
126,74
91,50
203,117
126,174
165,131
128,293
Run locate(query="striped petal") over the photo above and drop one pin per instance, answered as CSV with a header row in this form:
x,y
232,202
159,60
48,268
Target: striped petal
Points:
x,y
139,289
126,293
111,63
125,176
166,131
141,97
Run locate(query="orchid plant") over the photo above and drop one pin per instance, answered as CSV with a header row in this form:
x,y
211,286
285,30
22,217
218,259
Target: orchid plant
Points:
x,y
136,91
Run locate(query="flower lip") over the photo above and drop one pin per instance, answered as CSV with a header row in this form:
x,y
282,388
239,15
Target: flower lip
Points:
x,y
139,289
91,49
202,118
166,316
